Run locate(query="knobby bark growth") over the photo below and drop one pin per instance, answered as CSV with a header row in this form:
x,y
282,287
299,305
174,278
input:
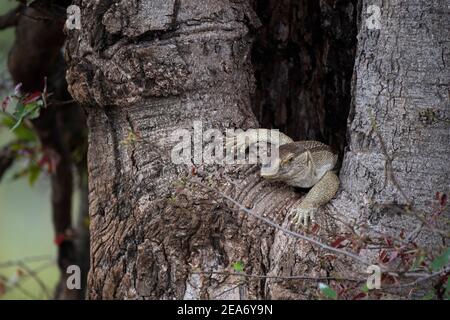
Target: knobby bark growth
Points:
x,y
146,68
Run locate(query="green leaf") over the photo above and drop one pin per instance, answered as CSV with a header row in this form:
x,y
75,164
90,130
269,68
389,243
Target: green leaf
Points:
x,y
33,174
238,266
364,288
19,110
18,123
441,261
22,132
33,110
428,296
30,111
327,291
25,134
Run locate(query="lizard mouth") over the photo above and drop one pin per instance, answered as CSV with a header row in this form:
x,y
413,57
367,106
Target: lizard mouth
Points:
x,y
269,171
269,177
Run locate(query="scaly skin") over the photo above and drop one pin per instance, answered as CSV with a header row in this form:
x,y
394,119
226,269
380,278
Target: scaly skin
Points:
x,y
304,164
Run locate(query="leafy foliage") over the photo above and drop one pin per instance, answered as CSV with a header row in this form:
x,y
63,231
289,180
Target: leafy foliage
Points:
x,y
327,291
238,266
17,109
441,261
27,106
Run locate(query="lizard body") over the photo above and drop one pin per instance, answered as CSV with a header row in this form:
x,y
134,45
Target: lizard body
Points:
x,y
303,164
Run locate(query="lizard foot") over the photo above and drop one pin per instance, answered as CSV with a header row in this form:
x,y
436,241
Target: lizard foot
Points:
x,y
303,216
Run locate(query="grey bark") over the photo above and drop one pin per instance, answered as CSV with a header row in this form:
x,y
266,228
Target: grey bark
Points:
x,y
151,74
401,100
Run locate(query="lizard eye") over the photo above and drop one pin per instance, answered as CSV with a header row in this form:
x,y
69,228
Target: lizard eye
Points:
x,y
288,159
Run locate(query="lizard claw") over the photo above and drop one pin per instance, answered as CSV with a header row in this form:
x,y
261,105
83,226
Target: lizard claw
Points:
x,y
302,216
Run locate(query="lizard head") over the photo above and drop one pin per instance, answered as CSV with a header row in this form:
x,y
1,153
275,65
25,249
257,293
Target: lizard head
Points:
x,y
292,163
300,164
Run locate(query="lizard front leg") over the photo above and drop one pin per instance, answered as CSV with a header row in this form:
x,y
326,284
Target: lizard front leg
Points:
x,y
242,140
322,192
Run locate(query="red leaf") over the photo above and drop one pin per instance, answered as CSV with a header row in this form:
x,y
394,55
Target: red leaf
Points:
x,y
49,159
388,241
360,296
5,103
386,278
32,97
384,256
59,239
338,242
315,228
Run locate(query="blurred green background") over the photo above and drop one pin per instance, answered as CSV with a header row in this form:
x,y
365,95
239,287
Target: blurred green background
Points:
x,y
25,218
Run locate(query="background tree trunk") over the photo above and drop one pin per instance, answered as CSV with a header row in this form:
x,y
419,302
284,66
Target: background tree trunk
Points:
x,y
147,68
399,121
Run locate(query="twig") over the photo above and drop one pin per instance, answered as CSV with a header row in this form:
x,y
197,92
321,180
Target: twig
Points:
x,y
390,175
228,290
239,274
287,231
13,263
422,278
9,19
389,171
61,103
38,280
18,284
19,287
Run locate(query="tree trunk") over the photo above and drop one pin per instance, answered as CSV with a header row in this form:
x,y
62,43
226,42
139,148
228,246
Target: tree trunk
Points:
x,y
147,68
398,126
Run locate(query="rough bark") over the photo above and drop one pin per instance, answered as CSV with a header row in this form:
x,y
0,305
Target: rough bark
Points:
x,y
401,94
151,67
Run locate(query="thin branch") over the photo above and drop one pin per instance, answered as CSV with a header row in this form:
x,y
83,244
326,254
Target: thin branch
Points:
x,y
390,175
9,19
57,103
19,287
35,276
239,274
228,290
389,171
14,263
29,274
422,278
287,231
